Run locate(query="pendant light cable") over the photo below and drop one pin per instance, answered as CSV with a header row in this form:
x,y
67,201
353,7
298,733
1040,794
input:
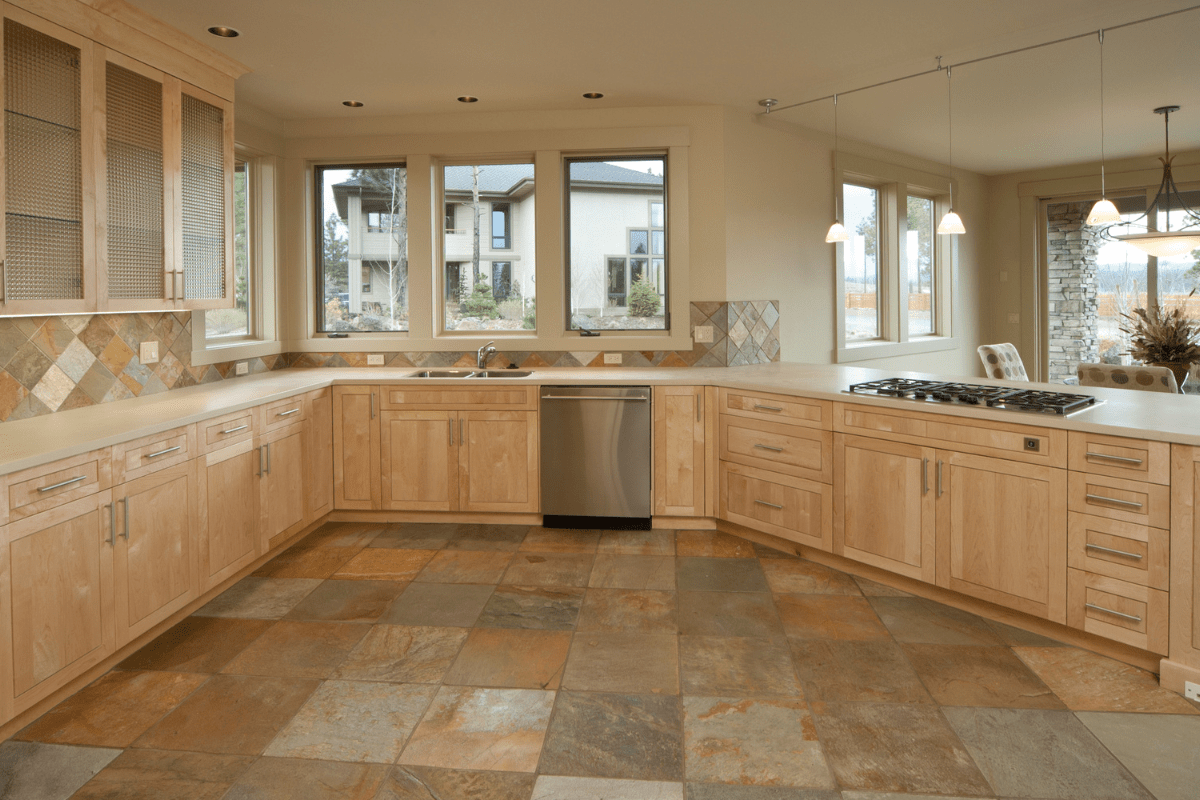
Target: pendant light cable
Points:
x,y
1104,212
837,231
951,224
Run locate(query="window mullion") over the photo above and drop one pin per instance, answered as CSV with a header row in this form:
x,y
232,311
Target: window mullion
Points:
x,y
889,265
420,246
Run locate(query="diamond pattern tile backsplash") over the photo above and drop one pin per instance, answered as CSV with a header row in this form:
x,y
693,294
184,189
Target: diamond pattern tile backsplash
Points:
x,y
50,364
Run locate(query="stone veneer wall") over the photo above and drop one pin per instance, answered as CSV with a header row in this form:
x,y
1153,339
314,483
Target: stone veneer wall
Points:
x,y
1072,247
50,364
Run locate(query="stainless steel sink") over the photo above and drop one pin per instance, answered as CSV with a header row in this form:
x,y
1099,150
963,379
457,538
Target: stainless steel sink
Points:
x,y
502,373
443,373
472,373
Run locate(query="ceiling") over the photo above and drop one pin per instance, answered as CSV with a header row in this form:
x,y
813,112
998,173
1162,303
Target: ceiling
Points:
x,y
1034,109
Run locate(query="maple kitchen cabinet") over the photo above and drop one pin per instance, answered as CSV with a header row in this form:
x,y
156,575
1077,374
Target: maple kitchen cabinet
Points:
x,y
679,451
229,496
356,478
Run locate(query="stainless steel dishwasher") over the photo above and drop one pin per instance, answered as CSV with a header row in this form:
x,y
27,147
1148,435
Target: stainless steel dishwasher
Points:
x,y
595,456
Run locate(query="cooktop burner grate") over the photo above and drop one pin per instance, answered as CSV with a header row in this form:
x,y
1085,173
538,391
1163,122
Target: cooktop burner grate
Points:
x,y
973,394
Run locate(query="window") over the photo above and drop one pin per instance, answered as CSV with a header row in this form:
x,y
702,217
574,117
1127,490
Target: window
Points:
x,y
231,323
861,204
488,273
616,219
918,255
364,235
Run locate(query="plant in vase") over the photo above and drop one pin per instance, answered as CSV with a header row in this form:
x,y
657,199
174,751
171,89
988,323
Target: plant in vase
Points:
x,y
1164,338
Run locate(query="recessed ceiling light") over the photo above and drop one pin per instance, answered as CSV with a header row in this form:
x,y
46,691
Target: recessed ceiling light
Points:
x,y
224,32
352,104
593,95
466,98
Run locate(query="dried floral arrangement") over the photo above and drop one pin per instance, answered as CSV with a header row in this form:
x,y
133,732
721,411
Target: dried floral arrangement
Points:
x,y
1160,336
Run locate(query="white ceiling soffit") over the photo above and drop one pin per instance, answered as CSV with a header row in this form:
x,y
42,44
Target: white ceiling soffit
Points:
x,y
1035,109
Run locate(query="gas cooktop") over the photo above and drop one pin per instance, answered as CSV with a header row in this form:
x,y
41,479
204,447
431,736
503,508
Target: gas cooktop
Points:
x,y
975,395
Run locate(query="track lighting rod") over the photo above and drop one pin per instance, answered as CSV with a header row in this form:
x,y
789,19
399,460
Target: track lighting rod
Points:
x,y
775,107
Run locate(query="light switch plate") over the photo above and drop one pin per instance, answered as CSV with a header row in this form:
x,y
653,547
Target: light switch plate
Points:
x,y
703,334
148,353
374,359
241,368
612,358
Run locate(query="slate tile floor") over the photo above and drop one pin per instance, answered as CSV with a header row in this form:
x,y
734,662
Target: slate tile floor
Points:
x,y
445,662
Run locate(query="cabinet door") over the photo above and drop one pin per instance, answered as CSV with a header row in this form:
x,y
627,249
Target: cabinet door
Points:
x,y
229,503
420,460
318,459
884,510
48,192
1185,559
282,484
498,461
679,451
356,465
1002,533
155,566
56,572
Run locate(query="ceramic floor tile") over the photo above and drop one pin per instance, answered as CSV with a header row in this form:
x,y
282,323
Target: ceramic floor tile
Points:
x,y
1087,681
114,710
896,748
872,589
719,791
872,672
549,569
728,614
1042,754
402,654
297,779
719,575
34,771
615,736
712,544
637,543
481,729
1161,750
197,644
968,675
512,658
347,601
165,775
235,714
827,616
487,537
465,566
918,621
414,536
259,598
614,610
611,571
628,663
306,562
298,650
438,604
557,787
385,564
354,721
766,551
787,576
718,665
753,742
898,796
430,783
560,540
532,607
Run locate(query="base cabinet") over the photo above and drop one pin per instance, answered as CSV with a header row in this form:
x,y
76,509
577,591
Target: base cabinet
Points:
x,y
420,460
356,478
318,458
1185,562
281,484
679,451
229,499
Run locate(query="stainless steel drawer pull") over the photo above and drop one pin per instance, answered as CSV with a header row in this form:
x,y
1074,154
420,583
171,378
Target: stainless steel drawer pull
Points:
x,y
1104,499
595,397
769,505
63,483
164,452
1121,459
235,430
757,407
1130,617
1090,546
768,447
288,413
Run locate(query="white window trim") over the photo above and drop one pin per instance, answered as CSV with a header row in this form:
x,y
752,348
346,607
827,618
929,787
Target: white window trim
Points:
x,y
895,184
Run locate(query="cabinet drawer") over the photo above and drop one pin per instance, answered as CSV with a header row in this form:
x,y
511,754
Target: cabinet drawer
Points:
x,y
1114,498
777,408
1119,457
792,508
226,430
132,460
780,448
39,489
1123,550
1125,612
285,412
510,398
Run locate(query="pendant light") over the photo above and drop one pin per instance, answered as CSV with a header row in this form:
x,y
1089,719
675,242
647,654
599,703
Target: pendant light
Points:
x,y
951,224
1104,212
837,231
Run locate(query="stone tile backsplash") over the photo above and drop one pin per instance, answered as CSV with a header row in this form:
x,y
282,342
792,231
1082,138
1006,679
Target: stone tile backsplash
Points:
x,y
50,364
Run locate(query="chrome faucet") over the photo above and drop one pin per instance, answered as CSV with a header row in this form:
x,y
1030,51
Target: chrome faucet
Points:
x,y
483,354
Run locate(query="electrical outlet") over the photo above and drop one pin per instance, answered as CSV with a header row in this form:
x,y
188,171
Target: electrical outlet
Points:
x,y
703,334
374,359
1191,691
1014,318
241,368
612,358
148,353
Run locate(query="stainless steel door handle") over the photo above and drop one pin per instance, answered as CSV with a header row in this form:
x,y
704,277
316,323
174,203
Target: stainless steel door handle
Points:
x,y
61,484
164,452
924,476
595,397
769,505
112,524
1102,609
1121,459
462,438
260,461
939,478
372,405
1114,500
450,428
125,502
268,446
768,447
1091,546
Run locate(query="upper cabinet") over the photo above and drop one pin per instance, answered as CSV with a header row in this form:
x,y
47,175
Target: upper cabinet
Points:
x,y
117,180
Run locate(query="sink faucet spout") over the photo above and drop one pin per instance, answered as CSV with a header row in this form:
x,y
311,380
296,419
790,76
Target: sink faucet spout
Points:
x,y
483,354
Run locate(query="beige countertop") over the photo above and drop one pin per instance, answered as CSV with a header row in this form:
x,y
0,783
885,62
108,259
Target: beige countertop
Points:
x,y
31,442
